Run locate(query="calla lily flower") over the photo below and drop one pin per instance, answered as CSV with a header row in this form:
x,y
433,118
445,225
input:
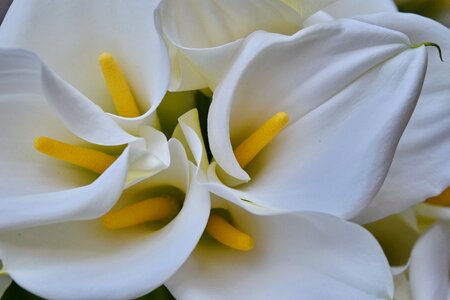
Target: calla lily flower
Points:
x,y
295,256
348,104
316,249
203,36
35,189
127,30
420,168
32,184
83,260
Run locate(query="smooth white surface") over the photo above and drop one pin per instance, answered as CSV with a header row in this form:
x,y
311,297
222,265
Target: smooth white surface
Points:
x,y
309,256
430,264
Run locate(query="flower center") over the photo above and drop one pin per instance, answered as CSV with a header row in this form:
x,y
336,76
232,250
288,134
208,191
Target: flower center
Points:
x,y
154,209
221,230
260,138
125,105
90,159
118,87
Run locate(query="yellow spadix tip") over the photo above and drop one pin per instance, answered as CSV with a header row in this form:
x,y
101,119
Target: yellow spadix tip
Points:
x,y
440,200
225,233
154,209
118,87
90,159
260,138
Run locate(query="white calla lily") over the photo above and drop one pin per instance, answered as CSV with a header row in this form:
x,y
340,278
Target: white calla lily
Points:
x,y
348,104
125,29
203,36
83,260
33,185
36,189
420,168
295,256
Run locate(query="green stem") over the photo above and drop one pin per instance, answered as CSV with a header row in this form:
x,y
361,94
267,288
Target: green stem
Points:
x,y
429,44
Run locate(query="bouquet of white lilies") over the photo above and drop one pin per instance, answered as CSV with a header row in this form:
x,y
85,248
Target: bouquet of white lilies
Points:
x,y
226,149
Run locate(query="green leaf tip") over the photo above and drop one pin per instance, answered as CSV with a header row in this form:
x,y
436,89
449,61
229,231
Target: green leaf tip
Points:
x,y
429,44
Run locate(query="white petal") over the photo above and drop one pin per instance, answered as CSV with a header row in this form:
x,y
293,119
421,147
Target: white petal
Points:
x,y
81,260
348,104
190,134
309,256
125,29
430,265
31,208
204,35
421,167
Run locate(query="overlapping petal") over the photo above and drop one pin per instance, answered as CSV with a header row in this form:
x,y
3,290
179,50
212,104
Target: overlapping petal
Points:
x,y
430,264
348,104
126,29
421,167
36,189
305,256
203,36
82,260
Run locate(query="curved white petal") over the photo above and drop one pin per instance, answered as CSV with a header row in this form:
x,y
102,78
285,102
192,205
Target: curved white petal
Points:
x,y
309,256
421,167
189,133
81,260
430,265
148,155
125,29
204,35
26,201
36,189
348,104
